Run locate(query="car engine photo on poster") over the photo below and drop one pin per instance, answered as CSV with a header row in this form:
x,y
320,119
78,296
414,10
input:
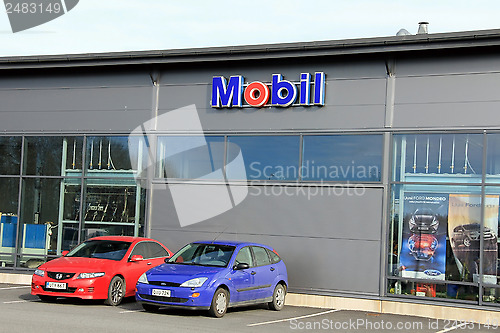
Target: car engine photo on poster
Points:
x,y
423,238
464,229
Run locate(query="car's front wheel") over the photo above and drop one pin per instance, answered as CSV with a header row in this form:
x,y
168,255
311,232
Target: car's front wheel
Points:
x,y
116,291
278,301
219,304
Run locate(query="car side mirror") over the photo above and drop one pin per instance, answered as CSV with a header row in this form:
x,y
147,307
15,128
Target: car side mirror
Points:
x,y
136,258
240,266
166,259
64,253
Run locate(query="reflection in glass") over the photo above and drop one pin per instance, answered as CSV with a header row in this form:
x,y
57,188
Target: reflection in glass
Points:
x,y
109,204
112,207
10,150
108,156
190,157
39,218
438,158
433,290
342,158
73,150
493,158
491,295
266,157
9,187
43,155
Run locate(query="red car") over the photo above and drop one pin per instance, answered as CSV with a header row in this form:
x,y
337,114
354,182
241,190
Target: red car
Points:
x,y
99,268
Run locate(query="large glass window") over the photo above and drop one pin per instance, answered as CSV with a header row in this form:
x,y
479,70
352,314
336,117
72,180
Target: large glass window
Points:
x,y
191,157
9,187
493,158
455,158
112,207
112,155
43,155
342,158
428,232
442,229
265,157
10,150
40,207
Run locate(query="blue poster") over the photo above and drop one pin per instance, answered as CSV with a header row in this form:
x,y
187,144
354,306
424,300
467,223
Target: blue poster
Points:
x,y
423,242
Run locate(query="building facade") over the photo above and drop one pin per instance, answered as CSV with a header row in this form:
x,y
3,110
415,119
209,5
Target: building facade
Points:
x,y
370,165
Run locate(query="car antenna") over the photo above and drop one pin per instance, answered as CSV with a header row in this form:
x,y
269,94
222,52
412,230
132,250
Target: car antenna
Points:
x,y
220,234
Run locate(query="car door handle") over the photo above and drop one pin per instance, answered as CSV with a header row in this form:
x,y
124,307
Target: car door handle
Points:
x,y
149,263
253,273
272,269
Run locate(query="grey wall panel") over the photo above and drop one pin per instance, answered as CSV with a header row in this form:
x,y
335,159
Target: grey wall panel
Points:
x,y
450,88
79,121
89,99
448,65
275,210
325,234
450,115
311,118
76,79
87,109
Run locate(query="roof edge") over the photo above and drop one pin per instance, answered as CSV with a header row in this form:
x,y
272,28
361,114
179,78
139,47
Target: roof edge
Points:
x,y
419,42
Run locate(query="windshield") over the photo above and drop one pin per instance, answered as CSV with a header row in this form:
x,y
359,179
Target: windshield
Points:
x,y
203,255
102,249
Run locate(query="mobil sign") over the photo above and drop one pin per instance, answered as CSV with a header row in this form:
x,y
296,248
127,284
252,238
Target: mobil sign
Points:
x,y
234,92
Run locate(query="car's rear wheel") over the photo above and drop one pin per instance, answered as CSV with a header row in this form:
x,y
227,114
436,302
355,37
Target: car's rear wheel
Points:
x,y
219,304
278,301
150,307
46,298
116,291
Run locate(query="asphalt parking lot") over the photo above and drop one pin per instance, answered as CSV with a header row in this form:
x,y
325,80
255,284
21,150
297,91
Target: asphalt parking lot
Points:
x,y
22,312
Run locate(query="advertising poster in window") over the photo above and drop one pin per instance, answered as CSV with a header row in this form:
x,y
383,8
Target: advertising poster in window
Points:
x,y
423,243
464,230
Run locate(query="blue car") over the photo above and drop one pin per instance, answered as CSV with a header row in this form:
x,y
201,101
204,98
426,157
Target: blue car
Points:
x,y
215,275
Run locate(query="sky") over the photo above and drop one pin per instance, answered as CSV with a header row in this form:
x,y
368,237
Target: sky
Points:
x,y
96,26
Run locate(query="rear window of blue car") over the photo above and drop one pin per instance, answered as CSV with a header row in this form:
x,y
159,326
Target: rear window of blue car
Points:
x,y
215,255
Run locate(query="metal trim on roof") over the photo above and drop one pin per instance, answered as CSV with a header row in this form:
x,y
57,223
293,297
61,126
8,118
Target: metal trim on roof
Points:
x,y
392,44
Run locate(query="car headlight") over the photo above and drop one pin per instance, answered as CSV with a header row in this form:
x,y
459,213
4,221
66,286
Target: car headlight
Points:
x,y
90,275
143,279
194,283
39,272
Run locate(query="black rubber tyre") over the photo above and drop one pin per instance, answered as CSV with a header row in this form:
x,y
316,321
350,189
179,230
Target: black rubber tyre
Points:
x,y
46,298
278,301
220,302
150,307
116,291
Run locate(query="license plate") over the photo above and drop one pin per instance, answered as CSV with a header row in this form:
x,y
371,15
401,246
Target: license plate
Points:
x,y
56,285
160,292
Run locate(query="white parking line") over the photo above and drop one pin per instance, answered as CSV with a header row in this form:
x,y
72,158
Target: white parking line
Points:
x,y
295,318
6,288
453,328
10,302
128,311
